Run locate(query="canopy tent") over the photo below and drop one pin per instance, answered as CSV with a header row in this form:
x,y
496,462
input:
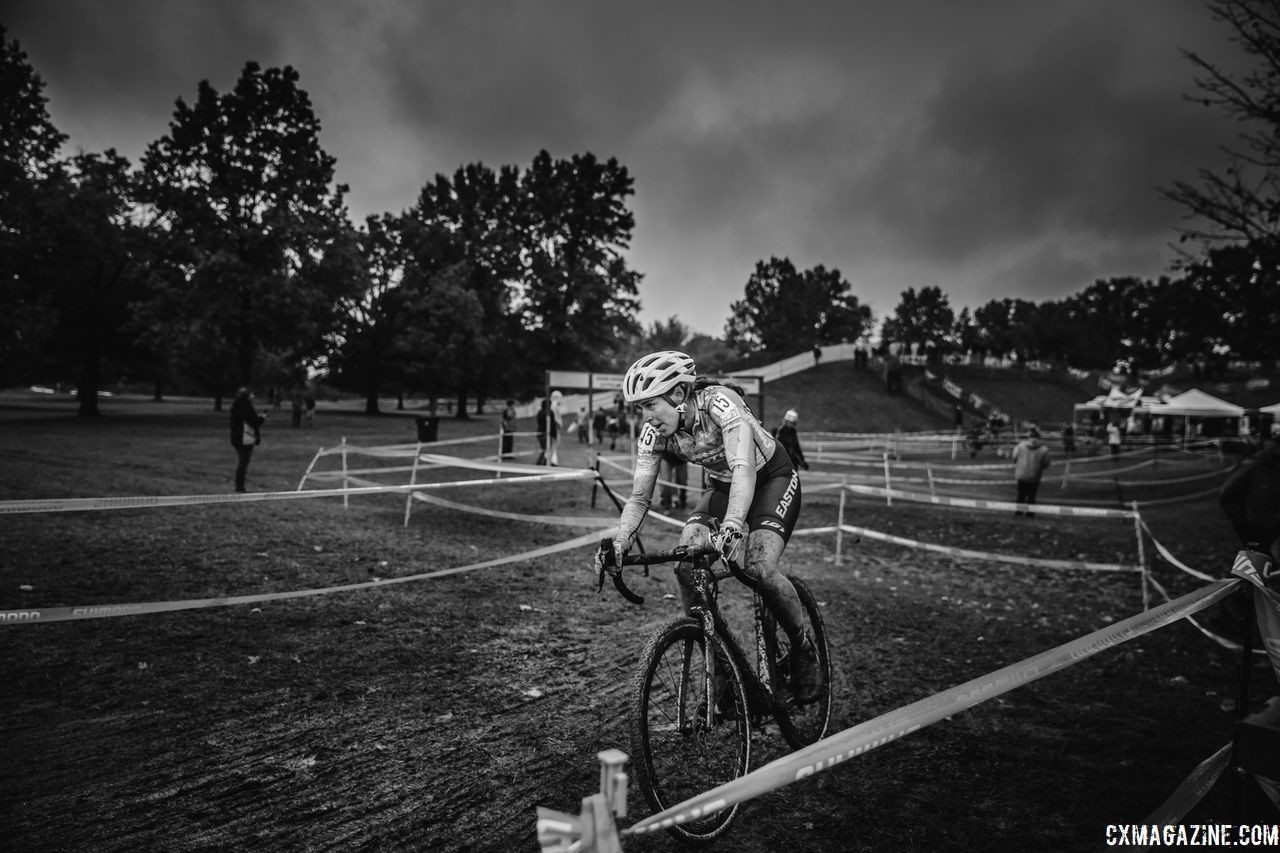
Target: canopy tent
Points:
x,y
1196,403
1201,414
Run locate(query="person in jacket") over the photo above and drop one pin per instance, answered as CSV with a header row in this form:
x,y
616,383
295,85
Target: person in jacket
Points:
x,y
1250,497
790,439
246,424
1030,458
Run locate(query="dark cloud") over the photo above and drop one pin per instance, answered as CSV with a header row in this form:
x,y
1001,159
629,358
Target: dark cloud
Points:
x,y
993,148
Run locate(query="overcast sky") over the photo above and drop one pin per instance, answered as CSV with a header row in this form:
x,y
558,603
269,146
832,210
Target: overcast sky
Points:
x,y
993,148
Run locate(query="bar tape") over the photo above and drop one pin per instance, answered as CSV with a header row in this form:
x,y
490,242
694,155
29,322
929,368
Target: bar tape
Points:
x,y
100,611
841,747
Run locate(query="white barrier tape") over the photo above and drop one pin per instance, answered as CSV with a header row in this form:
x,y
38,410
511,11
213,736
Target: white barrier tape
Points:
x,y
971,503
485,465
100,611
1230,645
1191,497
581,521
1170,559
881,730
983,555
1192,789
150,501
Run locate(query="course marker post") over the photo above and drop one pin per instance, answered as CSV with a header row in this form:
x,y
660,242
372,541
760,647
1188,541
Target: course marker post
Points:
x,y
345,484
307,473
596,829
888,500
1142,558
840,527
413,481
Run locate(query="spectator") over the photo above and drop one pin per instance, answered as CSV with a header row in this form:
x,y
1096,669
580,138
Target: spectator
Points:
x,y
581,425
958,415
1068,439
1114,439
548,431
790,440
1250,497
553,441
309,402
1030,458
295,400
817,354
599,421
673,469
508,430
246,424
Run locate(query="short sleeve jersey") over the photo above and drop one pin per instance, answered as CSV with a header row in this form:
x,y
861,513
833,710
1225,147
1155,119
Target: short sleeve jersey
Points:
x,y
724,435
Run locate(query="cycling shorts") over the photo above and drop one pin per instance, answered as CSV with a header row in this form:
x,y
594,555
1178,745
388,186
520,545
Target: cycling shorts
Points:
x,y
775,505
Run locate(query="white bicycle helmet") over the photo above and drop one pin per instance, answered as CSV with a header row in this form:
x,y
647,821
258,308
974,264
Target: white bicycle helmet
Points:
x,y
655,374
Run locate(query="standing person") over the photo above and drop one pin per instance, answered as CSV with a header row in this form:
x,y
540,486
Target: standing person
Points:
x,y
508,429
753,488
1030,458
598,423
583,438
309,401
557,429
246,424
958,416
1068,439
295,402
1113,439
548,431
790,439
1250,497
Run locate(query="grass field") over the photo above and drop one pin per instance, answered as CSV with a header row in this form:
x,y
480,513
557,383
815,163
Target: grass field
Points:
x,y
436,715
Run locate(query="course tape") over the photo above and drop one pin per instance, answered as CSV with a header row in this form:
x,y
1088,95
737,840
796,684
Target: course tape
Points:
x,y
149,501
1172,560
100,611
1224,642
983,555
582,521
972,503
1192,789
876,732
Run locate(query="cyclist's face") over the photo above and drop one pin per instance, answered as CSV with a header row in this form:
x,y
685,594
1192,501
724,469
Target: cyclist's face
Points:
x,y
661,414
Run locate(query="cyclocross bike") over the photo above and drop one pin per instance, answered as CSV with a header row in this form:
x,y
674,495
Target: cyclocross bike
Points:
x,y
696,699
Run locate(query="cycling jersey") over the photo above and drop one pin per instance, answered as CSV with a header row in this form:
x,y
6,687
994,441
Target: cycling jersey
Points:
x,y
723,437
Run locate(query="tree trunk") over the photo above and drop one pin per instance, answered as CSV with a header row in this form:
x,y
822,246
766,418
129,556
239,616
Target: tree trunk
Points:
x,y
462,405
371,402
217,400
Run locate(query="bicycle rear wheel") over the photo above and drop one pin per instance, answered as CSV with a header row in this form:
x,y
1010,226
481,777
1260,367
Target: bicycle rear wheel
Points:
x,y
801,725
677,751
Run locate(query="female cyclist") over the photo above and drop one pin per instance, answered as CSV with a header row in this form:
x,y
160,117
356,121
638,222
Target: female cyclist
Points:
x,y
754,487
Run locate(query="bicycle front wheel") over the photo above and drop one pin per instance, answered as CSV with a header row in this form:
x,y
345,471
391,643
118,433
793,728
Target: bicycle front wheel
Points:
x,y
690,726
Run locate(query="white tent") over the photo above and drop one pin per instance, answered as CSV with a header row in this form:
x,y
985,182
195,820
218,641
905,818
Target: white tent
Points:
x,y
1196,403
1274,411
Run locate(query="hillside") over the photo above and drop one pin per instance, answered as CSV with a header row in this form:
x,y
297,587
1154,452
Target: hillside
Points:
x,y
834,397
1043,401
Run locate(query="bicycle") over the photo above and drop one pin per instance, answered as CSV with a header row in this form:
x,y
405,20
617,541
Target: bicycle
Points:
x,y
693,709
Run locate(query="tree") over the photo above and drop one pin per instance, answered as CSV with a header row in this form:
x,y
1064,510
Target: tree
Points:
x,y
923,318
1242,201
578,298
259,250
785,311
92,261
29,146
474,219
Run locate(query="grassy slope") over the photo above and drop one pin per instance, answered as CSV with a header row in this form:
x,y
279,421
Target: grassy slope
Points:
x,y
836,398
